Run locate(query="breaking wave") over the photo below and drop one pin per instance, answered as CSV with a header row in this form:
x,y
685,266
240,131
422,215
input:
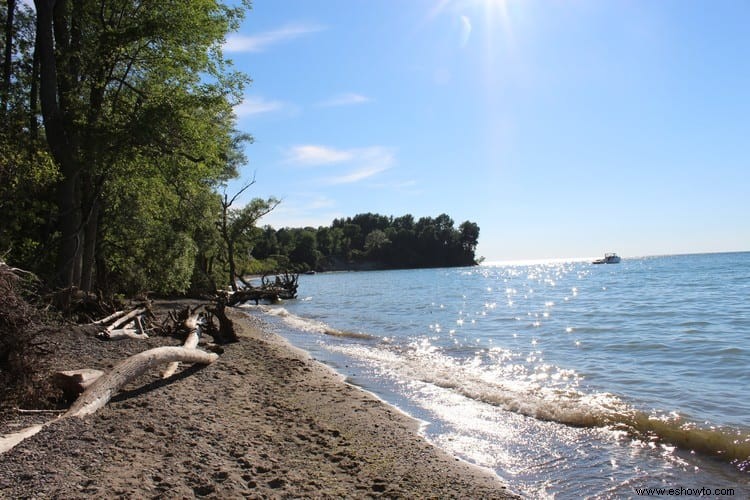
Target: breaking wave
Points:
x,y
551,397
311,325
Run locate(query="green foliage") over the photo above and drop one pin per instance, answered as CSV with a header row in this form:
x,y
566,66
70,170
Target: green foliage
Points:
x,y
368,241
119,185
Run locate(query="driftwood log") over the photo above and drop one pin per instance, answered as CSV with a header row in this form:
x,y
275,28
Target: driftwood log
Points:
x,y
109,318
101,391
74,382
106,386
119,328
120,334
193,325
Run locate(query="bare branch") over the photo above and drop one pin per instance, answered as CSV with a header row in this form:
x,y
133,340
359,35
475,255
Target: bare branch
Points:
x,y
234,198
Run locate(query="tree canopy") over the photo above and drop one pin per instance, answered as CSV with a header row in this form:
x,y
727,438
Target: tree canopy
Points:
x,y
117,132
372,241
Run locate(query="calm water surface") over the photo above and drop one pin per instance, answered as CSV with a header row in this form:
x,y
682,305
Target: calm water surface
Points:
x,y
567,379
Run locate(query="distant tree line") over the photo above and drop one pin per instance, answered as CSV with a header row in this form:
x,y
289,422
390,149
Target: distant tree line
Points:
x,y
370,241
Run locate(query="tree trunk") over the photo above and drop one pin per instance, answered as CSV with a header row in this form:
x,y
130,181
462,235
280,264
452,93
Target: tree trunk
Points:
x,y
232,267
8,59
69,224
89,248
34,102
226,332
51,16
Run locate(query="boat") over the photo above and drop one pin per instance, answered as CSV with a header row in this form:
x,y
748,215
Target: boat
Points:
x,y
609,258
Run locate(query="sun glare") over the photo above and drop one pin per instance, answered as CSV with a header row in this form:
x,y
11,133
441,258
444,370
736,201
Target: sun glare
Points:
x,y
494,13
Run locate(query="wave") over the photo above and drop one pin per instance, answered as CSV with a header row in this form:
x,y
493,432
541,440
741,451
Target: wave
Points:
x,y
501,386
311,325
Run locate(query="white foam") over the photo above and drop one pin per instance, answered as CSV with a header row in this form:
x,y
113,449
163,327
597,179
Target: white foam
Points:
x,y
547,393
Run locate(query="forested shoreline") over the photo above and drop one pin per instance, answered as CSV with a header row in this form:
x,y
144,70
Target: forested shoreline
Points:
x,y
118,138
367,242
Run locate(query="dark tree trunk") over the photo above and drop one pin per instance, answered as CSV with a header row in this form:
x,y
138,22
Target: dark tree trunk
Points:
x,y
89,248
34,101
53,34
69,225
8,59
232,266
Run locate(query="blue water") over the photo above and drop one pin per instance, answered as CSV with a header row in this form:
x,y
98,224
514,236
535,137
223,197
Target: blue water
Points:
x,y
567,379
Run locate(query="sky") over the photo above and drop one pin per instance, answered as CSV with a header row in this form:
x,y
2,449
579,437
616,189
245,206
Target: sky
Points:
x,y
562,128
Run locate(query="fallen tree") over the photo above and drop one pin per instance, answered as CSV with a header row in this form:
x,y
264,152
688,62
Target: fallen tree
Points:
x,y
284,286
101,391
74,382
106,386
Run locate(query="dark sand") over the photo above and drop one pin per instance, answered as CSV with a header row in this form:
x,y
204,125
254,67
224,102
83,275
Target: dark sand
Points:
x,y
264,421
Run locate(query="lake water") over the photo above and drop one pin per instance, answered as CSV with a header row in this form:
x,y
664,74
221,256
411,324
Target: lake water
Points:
x,y
568,379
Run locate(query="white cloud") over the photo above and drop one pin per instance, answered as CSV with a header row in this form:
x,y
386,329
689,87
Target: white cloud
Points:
x,y
368,162
345,100
465,30
358,174
261,41
362,162
254,105
312,155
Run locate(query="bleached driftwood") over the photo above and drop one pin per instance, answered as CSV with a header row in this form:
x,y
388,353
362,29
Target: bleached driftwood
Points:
x,y
101,391
119,330
109,318
74,382
139,324
191,342
120,334
126,319
8,441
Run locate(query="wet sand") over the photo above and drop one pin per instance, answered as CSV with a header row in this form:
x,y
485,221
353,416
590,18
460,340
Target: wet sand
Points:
x,y
264,421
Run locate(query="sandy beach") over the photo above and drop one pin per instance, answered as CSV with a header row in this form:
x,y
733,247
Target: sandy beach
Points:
x,y
264,421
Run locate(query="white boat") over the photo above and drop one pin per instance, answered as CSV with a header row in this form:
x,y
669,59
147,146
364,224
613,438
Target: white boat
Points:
x,y
609,258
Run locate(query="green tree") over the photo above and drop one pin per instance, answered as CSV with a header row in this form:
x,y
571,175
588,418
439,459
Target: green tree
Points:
x,y
129,90
237,224
376,244
305,250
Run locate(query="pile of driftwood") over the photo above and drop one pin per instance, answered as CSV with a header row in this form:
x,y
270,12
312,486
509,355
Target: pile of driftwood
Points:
x,y
92,389
283,286
95,388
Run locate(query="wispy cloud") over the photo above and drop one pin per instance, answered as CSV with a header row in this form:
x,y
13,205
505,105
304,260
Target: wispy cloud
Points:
x,y
346,99
359,174
312,155
362,162
465,30
261,41
254,105
368,162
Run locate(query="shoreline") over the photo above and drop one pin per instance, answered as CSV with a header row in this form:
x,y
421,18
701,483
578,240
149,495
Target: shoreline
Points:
x,y
265,420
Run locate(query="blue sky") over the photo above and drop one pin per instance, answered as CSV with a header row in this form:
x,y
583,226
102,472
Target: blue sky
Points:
x,y
563,128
